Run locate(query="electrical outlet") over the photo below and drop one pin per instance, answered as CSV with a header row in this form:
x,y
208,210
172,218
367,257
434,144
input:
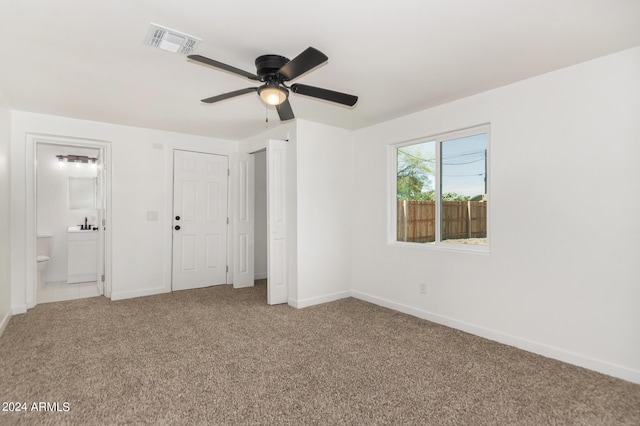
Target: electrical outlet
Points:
x,y
423,288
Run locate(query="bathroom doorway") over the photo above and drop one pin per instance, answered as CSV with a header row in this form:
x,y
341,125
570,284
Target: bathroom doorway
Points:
x,y
71,196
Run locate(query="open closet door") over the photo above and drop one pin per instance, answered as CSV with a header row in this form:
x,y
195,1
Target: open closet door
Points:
x,y
277,221
244,271
101,222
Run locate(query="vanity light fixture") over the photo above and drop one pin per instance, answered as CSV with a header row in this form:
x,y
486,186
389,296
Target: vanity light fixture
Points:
x,y
75,159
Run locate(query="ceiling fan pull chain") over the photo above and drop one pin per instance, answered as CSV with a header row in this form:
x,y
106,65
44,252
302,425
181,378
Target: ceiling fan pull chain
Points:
x,y
266,120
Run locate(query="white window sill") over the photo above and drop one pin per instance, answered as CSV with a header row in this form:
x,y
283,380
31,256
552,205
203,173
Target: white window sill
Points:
x,y
449,247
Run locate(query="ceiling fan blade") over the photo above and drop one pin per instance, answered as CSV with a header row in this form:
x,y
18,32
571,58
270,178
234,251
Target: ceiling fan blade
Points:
x,y
302,63
228,95
284,111
222,66
327,95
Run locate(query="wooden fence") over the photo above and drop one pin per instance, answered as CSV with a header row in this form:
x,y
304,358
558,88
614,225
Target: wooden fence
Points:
x,y
460,219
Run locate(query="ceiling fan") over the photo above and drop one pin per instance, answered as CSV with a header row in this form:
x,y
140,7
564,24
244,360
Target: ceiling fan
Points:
x,y
274,71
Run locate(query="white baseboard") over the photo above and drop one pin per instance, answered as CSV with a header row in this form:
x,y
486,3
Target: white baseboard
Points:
x,y
296,303
251,284
260,276
5,321
138,293
59,291
559,354
18,309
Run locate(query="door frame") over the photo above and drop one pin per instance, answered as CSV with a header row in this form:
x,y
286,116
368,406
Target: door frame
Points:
x,y
31,232
286,276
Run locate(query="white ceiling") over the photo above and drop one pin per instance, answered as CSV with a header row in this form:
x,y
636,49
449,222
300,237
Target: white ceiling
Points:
x,y
86,58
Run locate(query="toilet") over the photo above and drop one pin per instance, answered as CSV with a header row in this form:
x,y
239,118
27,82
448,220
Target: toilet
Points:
x,y
43,252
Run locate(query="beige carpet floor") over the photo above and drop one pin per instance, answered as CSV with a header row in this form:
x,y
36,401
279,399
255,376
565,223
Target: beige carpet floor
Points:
x,y
222,356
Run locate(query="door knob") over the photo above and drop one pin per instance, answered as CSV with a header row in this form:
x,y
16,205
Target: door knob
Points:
x,y
177,217
177,227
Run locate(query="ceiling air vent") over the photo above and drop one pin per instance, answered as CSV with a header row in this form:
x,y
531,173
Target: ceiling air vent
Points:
x,y
170,40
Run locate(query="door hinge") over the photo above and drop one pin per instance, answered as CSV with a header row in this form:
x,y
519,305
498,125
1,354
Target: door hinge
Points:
x,y
102,278
228,172
227,221
227,268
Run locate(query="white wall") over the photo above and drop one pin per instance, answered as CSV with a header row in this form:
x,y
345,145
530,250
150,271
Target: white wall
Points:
x,y
563,277
324,186
142,163
282,132
5,201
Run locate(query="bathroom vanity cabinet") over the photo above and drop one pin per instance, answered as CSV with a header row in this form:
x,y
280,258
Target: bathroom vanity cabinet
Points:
x,y
82,256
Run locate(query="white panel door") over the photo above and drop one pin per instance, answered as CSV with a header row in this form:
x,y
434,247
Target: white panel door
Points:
x,y
277,274
243,273
101,210
199,220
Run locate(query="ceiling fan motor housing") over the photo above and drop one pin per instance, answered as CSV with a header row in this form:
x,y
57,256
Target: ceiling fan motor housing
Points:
x,y
269,65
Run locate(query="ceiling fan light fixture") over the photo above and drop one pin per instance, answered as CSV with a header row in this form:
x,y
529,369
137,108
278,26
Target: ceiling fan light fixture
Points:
x,y
273,94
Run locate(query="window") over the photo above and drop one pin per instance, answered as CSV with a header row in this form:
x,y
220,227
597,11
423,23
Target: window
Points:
x,y
440,192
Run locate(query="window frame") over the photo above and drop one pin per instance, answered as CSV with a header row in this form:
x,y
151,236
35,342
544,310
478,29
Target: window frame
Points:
x,y
392,209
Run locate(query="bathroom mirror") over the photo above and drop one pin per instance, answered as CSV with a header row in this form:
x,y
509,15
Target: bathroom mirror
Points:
x,y
82,193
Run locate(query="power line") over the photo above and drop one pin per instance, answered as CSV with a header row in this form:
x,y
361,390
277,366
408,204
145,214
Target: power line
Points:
x,y
477,174
481,152
462,164
432,160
